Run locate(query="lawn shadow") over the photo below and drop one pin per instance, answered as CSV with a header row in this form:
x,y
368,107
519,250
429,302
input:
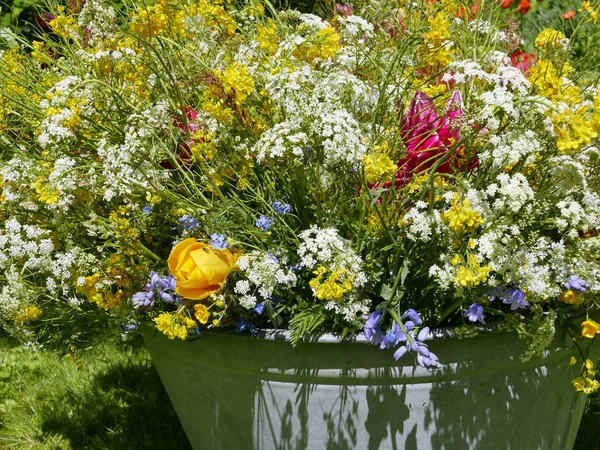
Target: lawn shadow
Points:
x,y
122,406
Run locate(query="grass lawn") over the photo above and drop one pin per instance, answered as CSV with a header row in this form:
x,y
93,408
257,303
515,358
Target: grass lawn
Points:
x,y
111,400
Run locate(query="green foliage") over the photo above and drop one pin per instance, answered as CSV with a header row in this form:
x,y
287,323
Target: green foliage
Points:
x,y
306,322
548,14
466,331
537,331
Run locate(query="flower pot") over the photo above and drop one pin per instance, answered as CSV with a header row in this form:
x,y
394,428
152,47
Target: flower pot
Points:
x,y
239,392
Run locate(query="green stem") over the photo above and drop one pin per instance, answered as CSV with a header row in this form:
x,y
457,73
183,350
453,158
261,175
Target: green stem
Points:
x,y
397,319
149,253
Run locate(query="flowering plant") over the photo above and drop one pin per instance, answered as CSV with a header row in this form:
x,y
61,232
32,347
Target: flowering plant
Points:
x,y
205,166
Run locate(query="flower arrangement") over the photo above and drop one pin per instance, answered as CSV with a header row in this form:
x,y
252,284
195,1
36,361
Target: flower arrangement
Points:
x,y
398,166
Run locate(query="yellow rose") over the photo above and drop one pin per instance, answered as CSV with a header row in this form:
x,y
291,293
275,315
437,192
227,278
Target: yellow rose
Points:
x,y
199,269
589,329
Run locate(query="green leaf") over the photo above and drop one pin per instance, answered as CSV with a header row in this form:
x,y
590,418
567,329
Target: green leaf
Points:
x,y
305,322
273,315
404,271
386,292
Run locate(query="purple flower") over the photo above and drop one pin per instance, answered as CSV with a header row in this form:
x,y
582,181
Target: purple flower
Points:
x,y
475,313
425,358
219,242
576,284
143,299
413,315
510,295
164,287
391,337
243,325
416,344
189,223
372,331
400,352
127,327
423,334
264,223
258,309
282,208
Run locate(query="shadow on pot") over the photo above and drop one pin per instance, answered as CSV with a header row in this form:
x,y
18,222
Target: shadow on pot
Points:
x,y
234,391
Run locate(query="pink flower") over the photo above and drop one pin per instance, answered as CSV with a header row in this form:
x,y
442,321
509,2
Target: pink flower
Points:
x,y
522,61
428,136
184,154
344,10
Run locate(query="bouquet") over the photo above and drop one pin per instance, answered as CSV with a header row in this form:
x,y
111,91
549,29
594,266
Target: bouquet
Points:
x,y
391,167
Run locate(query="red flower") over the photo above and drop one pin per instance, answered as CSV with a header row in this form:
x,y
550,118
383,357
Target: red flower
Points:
x,y
568,14
506,3
524,6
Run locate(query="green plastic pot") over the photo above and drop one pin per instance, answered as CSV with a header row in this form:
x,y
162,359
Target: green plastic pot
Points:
x,y
239,392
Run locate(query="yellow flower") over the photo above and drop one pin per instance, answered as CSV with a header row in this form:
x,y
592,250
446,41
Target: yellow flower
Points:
x,y
323,45
572,361
237,82
201,313
473,273
555,38
267,37
215,16
46,193
174,327
30,314
440,30
378,167
461,218
569,297
587,6
589,365
63,26
589,328
587,385
199,269
333,287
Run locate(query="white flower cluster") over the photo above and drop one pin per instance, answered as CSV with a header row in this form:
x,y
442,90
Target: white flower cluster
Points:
x,y
16,172
133,162
13,293
355,27
511,193
511,147
316,104
420,223
24,242
264,273
57,127
29,246
99,20
507,84
326,248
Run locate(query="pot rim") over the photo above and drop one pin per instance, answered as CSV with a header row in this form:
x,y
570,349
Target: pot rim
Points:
x,y
273,334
